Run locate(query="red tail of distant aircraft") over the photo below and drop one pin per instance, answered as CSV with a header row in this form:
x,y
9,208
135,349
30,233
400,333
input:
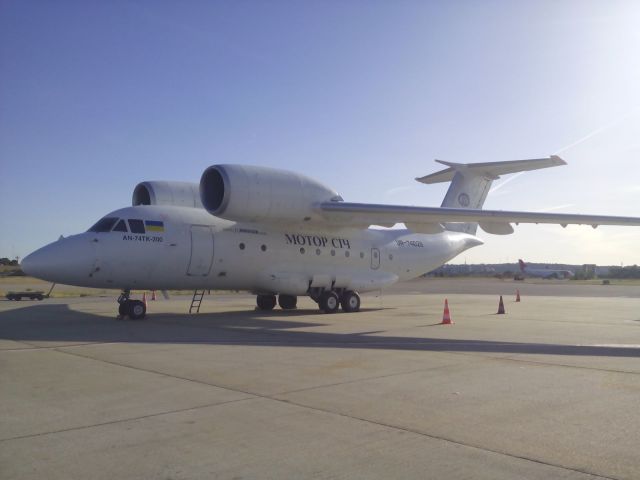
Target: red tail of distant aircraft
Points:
x,y
544,272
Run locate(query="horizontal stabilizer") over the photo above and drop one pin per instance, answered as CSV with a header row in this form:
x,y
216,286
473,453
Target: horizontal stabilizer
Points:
x,y
490,170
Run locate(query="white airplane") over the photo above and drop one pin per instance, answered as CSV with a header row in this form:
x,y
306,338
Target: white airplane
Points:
x,y
544,272
278,233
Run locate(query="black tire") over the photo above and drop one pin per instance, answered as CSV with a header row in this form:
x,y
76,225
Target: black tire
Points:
x,y
287,302
350,301
17,298
39,298
329,302
266,302
136,309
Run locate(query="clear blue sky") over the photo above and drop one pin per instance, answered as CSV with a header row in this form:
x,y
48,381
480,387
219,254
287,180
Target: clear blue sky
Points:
x,y
96,96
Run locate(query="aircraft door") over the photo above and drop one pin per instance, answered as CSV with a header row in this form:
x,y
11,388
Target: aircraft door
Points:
x,y
375,258
201,251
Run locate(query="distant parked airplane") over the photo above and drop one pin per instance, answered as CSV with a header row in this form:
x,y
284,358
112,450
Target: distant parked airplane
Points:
x,y
544,272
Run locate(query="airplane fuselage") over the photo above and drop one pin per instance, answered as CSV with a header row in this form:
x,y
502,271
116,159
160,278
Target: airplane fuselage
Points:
x,y
193,249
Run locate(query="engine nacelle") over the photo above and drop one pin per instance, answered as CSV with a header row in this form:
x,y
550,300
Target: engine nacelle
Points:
x,y
249,193
179,194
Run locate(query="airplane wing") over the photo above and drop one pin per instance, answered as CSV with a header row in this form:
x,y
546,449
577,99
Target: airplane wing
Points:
x,y
430,219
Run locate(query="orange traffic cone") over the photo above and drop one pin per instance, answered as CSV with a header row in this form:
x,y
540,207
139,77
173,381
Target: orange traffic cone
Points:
x,y
517,294
144,298
153,295
446,317
501,307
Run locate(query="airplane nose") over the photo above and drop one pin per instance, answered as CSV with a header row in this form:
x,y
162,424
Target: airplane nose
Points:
x,y
29,264
61,261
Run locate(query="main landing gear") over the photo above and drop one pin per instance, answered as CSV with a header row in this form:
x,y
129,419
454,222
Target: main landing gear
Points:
x,y
268,302
134,309
329,301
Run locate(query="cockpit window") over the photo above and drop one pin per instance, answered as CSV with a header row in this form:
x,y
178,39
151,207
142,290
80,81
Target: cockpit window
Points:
x,y
136,226
103,225
120,227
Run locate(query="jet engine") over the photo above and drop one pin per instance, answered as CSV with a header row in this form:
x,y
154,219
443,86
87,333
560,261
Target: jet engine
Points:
x,y
179,194
251,193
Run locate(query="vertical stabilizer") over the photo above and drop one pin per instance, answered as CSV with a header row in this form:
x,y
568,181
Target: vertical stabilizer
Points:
x,y
471,182
523,265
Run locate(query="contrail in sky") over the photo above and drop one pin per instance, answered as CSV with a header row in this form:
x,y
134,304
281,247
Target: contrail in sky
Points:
x,y
557,207
597,131
588,136
395,190
500,185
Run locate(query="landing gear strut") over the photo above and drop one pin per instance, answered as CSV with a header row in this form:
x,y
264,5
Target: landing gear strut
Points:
x,y
134,309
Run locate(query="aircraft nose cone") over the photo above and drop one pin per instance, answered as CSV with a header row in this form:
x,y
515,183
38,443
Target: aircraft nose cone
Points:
x,y
29,264
62,261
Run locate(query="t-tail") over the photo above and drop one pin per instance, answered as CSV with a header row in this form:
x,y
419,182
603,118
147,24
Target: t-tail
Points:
x,y
471,183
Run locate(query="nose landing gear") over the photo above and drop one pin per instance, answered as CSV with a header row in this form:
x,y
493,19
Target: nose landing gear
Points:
x,y
134,309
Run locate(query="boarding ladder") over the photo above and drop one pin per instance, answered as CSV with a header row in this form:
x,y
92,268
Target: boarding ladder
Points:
x,y
196,301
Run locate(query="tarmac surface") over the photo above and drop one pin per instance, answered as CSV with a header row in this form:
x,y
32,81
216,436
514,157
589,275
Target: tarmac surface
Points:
x,y
549,390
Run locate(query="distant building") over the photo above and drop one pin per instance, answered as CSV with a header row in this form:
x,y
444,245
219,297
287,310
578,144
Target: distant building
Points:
x,y
589,271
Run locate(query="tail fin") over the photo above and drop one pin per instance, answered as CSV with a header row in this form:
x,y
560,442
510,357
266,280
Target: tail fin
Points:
x,y
522,265
471,182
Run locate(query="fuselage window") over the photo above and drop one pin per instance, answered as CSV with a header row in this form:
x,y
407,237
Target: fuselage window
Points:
x,y
241,246
104,225
263,248
361,254
346,253
390,256
302,250
120,227
136,226
317,251
333,253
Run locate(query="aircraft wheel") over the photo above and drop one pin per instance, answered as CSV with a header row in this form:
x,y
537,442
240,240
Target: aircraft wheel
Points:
x,y
350,301
266,302
329,302
287,302
136,309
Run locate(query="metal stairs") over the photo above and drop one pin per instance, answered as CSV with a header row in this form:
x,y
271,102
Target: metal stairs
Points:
x,y
196,301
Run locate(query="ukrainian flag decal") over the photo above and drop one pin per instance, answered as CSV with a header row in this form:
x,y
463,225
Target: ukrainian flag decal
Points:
x,y
154,226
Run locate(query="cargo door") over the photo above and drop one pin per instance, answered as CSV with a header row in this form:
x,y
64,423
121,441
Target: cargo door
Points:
x,y
201,251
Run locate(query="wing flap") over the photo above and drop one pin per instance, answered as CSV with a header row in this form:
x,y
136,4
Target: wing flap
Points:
x,y
497,228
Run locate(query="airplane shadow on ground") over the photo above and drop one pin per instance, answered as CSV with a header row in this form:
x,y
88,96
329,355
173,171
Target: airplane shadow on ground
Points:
x,y
59,324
